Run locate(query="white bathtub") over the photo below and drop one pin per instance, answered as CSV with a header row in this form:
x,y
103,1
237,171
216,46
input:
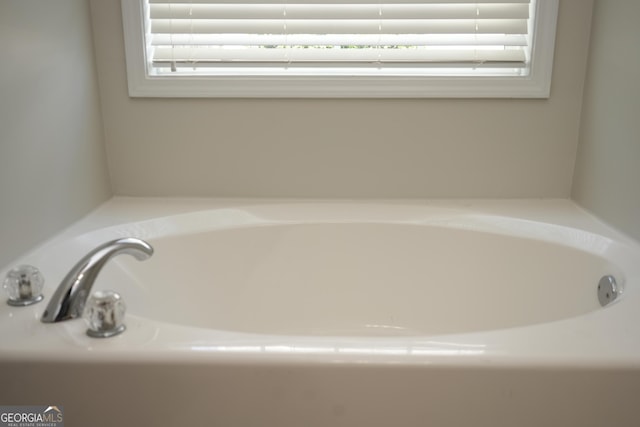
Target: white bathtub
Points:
x,y
320,313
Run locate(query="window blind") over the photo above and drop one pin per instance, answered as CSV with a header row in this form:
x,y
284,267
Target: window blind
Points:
x,y
199,36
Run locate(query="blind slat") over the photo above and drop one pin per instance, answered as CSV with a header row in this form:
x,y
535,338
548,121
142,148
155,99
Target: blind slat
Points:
x,y
343,26
338,1
339,39
342,11
191,55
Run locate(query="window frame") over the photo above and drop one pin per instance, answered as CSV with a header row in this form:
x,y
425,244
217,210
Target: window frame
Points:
x,y
536,85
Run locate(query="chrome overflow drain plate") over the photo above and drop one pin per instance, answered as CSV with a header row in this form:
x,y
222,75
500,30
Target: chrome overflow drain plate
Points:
x,y
607,290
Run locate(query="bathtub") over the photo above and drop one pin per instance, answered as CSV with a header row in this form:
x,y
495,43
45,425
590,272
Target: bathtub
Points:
x,y
281,313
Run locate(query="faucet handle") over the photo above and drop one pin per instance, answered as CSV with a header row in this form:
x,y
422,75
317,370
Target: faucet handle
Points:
x,y
24,286
104,314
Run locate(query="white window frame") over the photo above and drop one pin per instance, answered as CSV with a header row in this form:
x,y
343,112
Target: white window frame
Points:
x,y
535,85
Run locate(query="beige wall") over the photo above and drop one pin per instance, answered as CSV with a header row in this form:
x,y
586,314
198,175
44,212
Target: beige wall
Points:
x,y
607,177
52,162
343,148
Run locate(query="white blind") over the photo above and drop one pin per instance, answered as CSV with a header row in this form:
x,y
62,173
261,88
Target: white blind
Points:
x,y
184,36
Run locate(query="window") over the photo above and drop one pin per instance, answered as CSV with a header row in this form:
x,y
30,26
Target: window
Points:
x,y
333,48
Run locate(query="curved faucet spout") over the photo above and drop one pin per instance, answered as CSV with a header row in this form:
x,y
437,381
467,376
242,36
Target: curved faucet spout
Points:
x,y
69,299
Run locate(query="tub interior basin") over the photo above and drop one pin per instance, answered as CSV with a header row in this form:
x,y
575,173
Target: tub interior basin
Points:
x,y
358,279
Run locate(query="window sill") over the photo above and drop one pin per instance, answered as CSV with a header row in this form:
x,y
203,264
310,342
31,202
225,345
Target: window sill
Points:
x,y
339,87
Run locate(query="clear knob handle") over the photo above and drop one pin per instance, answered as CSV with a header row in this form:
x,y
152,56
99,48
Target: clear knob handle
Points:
x,y
24,285
104,314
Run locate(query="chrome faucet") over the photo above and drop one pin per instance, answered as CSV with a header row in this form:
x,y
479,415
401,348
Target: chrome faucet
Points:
x,y
69,299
